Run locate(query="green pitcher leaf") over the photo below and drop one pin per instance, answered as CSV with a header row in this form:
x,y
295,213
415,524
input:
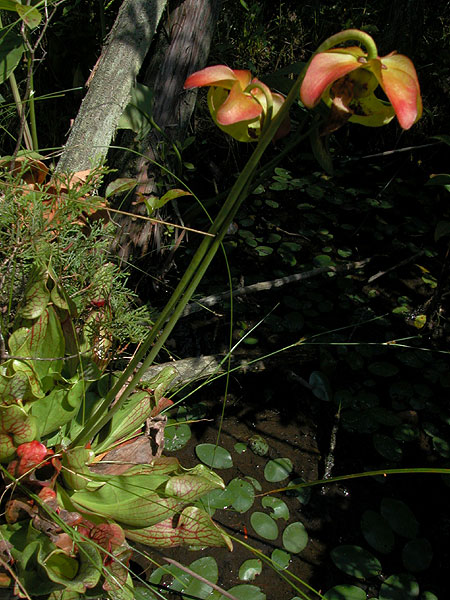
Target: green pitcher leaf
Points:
x,y
13,388
191,486
132,415
11,48
16,427
58,407
194,528
36,295
44,339
129,500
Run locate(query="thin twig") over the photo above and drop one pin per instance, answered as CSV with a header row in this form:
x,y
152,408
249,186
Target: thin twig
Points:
x,y
400,264
208,301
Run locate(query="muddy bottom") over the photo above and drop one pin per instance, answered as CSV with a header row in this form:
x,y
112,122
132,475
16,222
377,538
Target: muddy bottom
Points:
x,y
289,427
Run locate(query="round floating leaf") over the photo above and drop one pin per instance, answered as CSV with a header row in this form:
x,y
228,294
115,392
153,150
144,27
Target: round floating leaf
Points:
x,y
243,493
295,537
205,567
176,436
399,587
417,555
240,448
345,592
320,386
245,592
302,494
214,456
428,596
264,525
387,447
277,469
250,569
218,499
405,432
281,559
263,250
323,260
279,508
377,532
255,483
383,369
400,517
356,561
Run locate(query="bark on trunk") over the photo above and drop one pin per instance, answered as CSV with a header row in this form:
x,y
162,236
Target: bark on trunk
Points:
x,y
109,89
182,47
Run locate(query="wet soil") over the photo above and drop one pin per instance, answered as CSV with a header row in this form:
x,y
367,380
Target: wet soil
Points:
x,y
298,426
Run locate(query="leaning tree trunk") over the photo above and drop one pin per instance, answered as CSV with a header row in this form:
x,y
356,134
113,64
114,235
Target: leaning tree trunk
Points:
x,y
182,47
110,85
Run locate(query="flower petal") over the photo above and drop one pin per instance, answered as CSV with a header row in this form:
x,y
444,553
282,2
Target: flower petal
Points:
x,y
324,69
218,75
238,107
398,78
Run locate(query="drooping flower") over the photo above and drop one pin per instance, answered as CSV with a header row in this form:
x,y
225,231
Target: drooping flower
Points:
x,y
346,80
237,102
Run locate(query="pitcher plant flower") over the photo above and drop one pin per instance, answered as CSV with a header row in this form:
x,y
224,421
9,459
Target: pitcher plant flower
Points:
x,y
346,80
239,104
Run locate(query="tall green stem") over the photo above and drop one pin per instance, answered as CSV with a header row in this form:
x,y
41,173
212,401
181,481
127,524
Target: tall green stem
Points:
x,y
188,283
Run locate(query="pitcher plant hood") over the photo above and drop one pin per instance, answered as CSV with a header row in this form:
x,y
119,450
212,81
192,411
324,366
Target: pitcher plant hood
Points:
x,y
238,103
346,79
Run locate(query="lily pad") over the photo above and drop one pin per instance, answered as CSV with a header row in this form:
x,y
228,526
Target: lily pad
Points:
x,y
250,569
176,437
399,587
214,456
400,517
243,494
387,447
280,558
255,483
320,386
356,561
303,494
377,532
345,592
279,508
264,525
295,537
383,369
240,448
277,469
245,592
417,555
